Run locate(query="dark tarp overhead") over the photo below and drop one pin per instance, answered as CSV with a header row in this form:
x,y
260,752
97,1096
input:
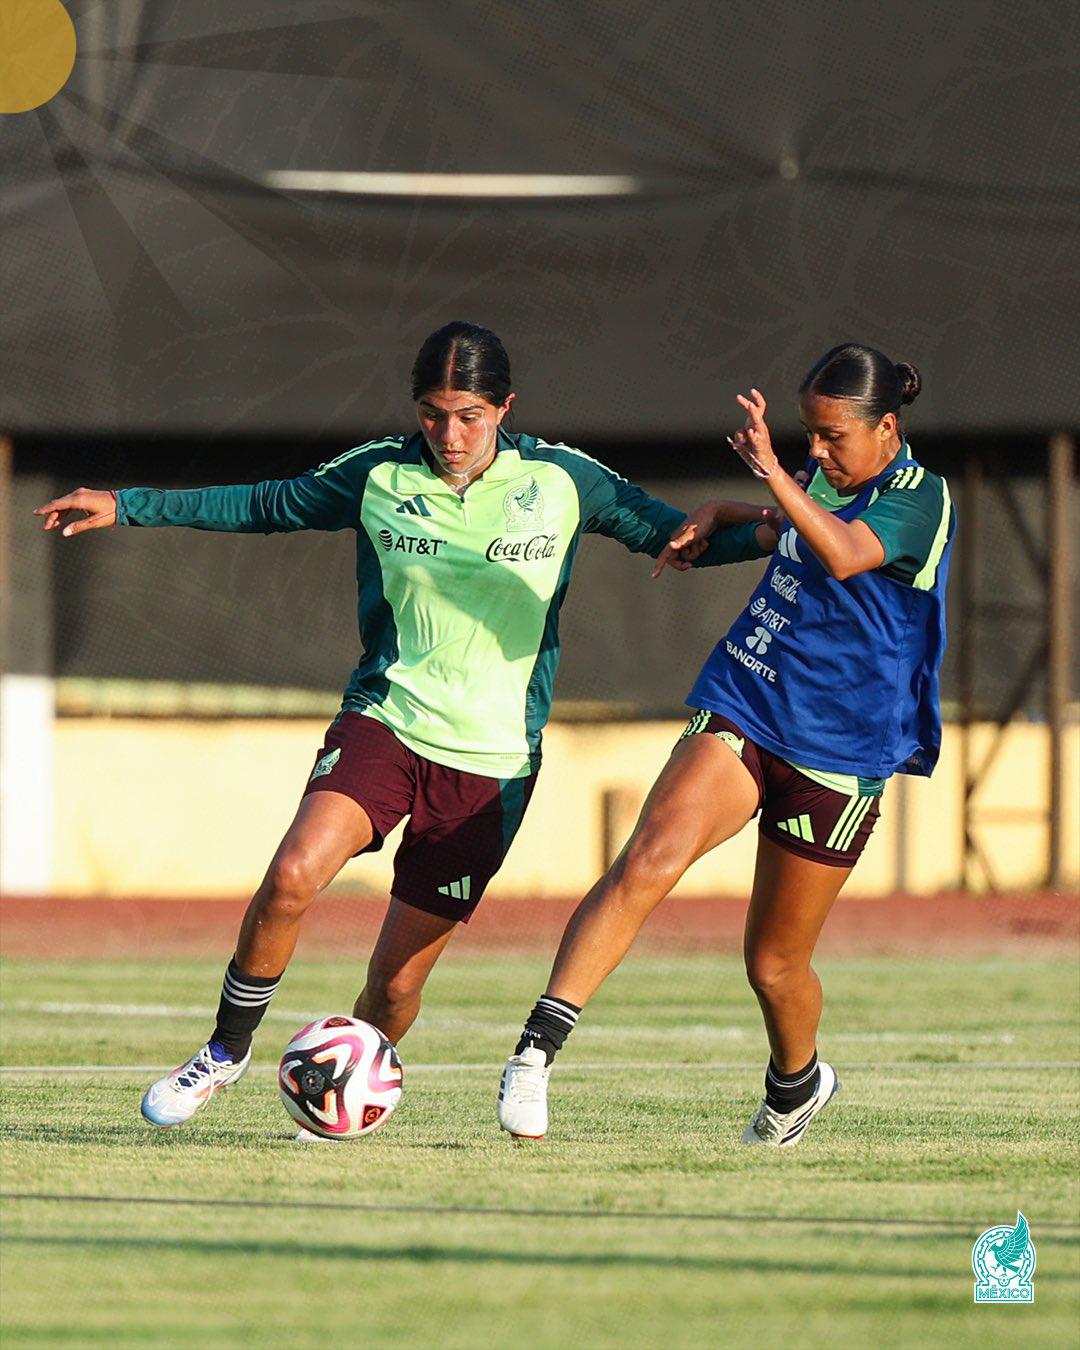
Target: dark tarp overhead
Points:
x,y
798,175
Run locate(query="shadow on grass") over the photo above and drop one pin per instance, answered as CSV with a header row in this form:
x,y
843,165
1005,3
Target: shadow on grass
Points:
x,y
895,1227
140,1134
426,1254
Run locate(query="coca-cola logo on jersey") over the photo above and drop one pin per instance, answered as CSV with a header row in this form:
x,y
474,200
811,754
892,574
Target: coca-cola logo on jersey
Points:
x,y
521,550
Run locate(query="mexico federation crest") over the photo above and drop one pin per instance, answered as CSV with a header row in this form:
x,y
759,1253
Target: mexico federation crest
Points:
x,y
524,507
736,743
1003,1260
325,764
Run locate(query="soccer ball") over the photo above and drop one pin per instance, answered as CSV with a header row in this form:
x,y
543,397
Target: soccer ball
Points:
x,y
340,1078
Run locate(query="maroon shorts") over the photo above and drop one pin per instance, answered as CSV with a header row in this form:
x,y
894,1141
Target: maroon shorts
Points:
x,y
460,824
800,815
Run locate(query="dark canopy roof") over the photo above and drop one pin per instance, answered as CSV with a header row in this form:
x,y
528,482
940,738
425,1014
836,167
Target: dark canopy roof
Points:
x,y
775,177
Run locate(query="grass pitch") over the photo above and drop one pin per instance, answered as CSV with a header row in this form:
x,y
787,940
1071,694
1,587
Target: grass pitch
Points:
x,y
639,1222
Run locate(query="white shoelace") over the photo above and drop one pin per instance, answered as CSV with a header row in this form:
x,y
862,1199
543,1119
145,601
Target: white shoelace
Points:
x,y
766,1124
526,1082
202,1065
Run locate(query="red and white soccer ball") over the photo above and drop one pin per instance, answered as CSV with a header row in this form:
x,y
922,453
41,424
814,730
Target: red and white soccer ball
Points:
x,y
340,1078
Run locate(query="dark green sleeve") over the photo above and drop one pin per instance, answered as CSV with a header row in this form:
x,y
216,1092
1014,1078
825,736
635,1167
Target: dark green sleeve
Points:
x,y
645,524
612,506
732,544
327,498
621,510
908,518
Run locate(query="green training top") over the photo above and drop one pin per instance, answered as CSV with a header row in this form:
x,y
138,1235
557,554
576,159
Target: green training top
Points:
x,y
459,595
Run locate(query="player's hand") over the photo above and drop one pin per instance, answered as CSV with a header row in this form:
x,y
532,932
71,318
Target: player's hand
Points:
x,y
100,508
753,444
691,539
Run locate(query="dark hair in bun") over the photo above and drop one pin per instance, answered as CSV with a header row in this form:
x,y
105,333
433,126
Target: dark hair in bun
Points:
x,y
910,382
865,376
465,356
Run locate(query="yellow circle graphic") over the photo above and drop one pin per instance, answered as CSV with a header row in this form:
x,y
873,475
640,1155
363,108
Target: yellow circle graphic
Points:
x,y
37,52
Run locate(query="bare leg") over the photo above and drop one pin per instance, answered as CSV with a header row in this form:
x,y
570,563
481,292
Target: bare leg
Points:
x,y
327,830
704,795
409,944
791,899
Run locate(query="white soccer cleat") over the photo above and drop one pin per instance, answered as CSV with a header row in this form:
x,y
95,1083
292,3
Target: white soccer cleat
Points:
x,y
770,1127
523,1109
175,1098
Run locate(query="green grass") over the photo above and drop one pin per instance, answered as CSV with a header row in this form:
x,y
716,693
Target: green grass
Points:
x,y
639,1222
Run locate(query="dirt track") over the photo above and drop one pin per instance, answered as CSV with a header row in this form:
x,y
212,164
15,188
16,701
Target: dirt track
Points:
x,y
951,924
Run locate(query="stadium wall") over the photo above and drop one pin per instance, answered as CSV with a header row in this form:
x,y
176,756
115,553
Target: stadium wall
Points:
x,y
148,807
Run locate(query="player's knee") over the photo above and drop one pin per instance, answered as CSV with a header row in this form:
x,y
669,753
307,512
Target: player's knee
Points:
x,y
290,887
651,863
770,974
390,990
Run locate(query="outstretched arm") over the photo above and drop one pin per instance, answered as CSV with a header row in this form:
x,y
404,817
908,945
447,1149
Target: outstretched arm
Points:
x,y
843,548
719,532
325,499
706,537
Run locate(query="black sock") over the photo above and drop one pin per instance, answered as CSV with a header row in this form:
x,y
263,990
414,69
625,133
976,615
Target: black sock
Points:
x,y
244,999
784,1092
548,1025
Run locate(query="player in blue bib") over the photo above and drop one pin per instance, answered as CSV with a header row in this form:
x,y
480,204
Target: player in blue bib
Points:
x,y
825,686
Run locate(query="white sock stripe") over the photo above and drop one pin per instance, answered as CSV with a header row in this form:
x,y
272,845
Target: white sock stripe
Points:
x,y
238,994
549,1002
239,1002
791,1082
251,988
557,1010
242,988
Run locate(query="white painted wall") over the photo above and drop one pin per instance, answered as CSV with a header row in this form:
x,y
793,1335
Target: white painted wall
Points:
x,y
27,783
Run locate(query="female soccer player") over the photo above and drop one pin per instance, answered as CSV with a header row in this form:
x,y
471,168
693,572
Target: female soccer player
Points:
x,y
466,537
824,687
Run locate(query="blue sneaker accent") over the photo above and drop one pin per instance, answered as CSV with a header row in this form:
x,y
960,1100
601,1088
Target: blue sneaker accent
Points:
x,y
219,1053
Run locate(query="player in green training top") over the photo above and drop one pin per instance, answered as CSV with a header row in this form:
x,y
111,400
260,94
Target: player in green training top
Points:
x,y
466,537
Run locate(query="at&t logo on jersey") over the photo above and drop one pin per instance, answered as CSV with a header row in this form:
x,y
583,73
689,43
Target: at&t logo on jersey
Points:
x,y
521,550
409,543
765,614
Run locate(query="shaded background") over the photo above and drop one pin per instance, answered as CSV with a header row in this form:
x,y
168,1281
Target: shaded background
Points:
x,y
791,178
797,176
